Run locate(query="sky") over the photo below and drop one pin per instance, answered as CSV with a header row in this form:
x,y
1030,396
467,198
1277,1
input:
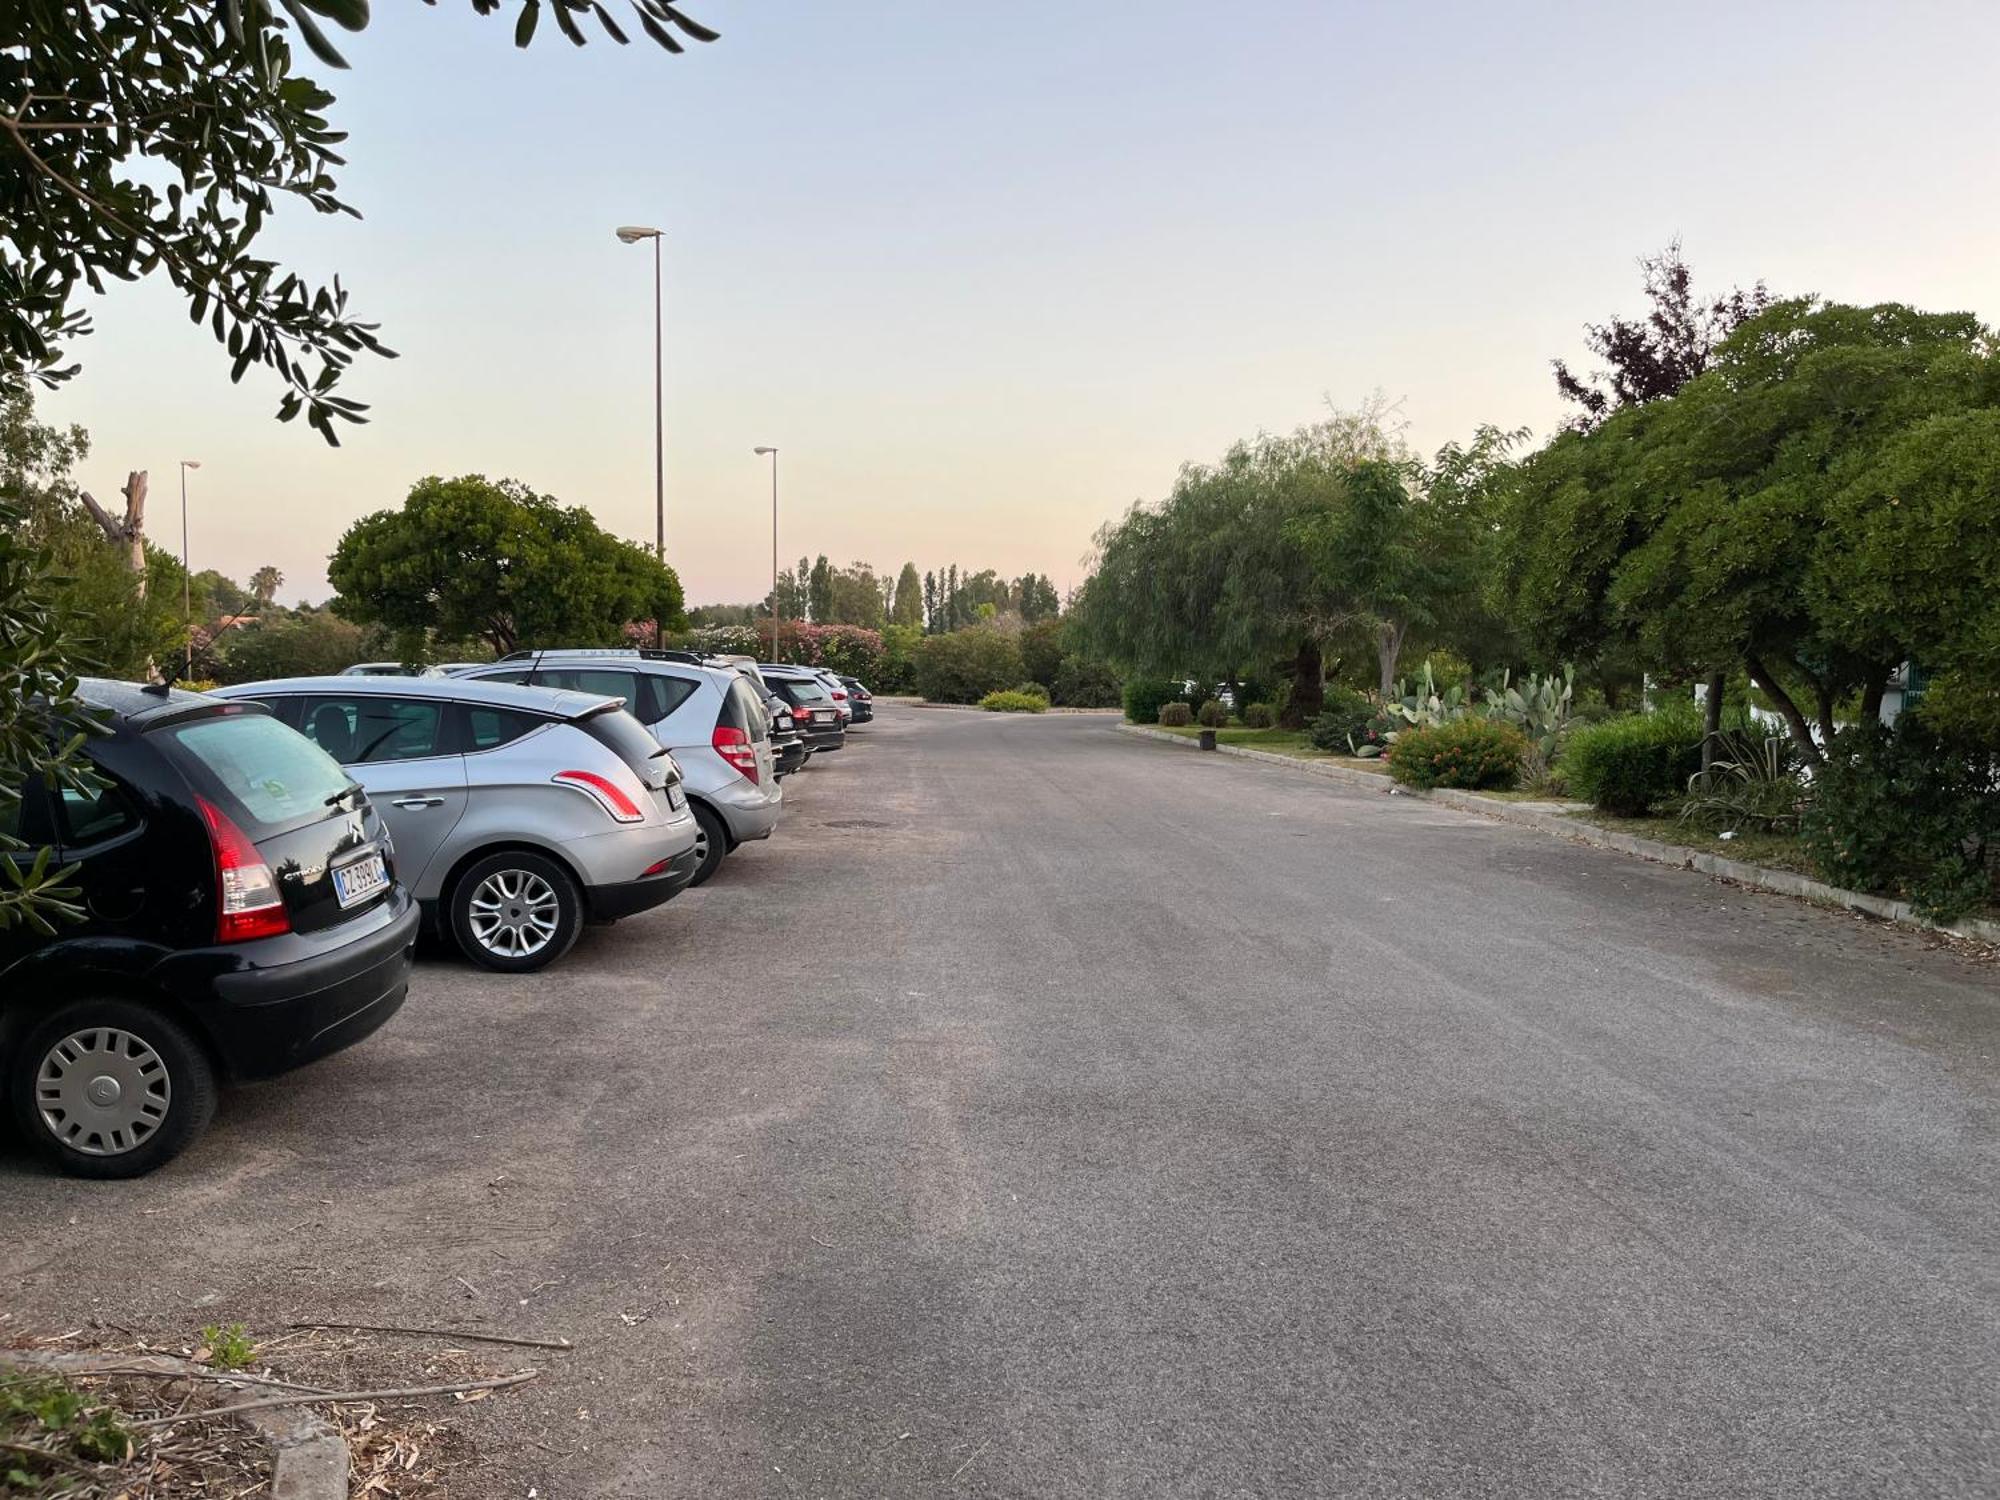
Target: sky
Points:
x,y
987,275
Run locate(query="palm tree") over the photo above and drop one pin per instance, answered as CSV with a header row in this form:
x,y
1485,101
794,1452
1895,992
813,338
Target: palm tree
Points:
x,y
264,583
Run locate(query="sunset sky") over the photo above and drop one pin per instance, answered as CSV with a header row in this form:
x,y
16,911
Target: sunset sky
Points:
x,y
989,274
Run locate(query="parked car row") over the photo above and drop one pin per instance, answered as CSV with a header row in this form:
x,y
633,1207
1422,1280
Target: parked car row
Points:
x,y
253,866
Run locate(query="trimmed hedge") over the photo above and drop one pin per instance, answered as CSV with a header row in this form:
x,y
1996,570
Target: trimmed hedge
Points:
x,y
1259,716
1176,715
1212,714
1631,765
1471,753
1015,701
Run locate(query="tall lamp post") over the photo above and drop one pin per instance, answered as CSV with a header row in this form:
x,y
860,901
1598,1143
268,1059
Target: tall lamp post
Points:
x,y
760,452
632,234
187,578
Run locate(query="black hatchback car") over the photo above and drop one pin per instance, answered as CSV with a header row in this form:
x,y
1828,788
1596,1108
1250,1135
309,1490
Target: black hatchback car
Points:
x,y
242,918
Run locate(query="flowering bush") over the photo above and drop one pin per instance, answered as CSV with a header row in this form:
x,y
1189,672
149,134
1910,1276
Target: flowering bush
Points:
x,y
1468,752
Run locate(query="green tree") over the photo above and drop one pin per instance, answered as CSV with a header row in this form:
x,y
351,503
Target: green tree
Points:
x,y
470,557
1727,527
304,643
855,597
1218,578
819,591
963,666
118,622
159,138
908,608
1042,651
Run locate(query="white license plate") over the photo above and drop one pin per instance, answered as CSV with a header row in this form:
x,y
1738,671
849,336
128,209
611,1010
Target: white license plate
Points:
x,y
357,882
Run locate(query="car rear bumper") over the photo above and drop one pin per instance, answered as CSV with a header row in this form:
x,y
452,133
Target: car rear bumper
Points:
x,y
863,713
826,739
627,898
749,809
277,1004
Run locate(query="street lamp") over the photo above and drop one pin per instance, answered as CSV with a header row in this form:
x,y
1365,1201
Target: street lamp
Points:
x,y
631,234
760,452
187,579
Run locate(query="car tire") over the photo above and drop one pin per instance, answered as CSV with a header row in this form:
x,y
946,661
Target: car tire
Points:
x,y
111,1088
711,842
515,912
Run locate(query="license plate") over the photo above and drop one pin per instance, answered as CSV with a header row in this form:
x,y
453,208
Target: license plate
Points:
x,y
676,799
357,882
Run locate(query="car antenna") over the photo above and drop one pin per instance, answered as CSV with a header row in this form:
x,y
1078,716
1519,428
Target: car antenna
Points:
x,y
165,685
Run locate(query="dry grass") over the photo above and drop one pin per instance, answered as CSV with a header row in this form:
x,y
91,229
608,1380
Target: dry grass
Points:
x,y
405,1449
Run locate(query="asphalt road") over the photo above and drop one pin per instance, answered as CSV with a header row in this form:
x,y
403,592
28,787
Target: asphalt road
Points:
x,y
1050,1113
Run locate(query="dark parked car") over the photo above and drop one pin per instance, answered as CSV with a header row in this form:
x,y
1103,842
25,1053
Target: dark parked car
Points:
x,y
241,918
859,699
813,708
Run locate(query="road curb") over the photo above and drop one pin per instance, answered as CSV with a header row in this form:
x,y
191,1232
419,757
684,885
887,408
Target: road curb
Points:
x,y
1564,826
309,1458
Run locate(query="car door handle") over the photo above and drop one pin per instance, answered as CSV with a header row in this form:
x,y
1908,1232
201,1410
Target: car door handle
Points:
x,y
418,802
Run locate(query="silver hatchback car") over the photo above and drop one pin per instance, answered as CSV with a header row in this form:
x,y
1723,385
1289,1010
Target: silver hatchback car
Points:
x,y
709,717
517,813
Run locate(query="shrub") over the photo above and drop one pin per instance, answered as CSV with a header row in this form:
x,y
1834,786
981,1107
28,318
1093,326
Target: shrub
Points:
x,y
1628,766
1041,651
1144,697
1032,689
1212,714
1015,701
1908,813
1468,752
898,670
1344,717
1084,684
1448,668
1260,716
966,665
1176,715
1752,782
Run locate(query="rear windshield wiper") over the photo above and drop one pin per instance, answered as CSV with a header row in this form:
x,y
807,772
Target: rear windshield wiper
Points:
x,y
343,794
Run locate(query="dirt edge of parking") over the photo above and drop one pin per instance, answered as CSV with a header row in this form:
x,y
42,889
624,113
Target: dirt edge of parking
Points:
x,y
1974,931
308,1455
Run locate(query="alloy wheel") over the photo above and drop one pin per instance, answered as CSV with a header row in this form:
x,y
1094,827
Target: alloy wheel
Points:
x,y
102,1091
514,913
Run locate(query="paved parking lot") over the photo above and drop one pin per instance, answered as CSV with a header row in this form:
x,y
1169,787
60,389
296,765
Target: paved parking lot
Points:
x,y
1048,1113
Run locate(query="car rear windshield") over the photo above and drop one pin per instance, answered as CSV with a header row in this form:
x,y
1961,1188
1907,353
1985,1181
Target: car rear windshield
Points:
x,y
742,709
267,777
628,739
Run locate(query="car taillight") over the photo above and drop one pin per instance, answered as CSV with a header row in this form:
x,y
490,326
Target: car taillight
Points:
x,y
606,794
839,696
247,903
734,746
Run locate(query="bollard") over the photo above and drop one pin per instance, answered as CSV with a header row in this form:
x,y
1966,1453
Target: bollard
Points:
x,y
1208,739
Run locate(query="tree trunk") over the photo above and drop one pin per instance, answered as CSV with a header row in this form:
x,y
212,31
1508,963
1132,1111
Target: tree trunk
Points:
x,y
1824,697
1871,697
1308,694
1388,647
1711,721
1795,721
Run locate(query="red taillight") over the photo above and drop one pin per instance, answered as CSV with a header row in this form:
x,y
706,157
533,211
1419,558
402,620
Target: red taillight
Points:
x,y
605,793
657,867
734,746
839,696
247,903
